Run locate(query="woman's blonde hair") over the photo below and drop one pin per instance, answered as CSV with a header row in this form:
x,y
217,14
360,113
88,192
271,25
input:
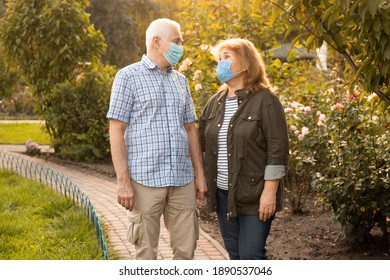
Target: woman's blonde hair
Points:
x,y
255,76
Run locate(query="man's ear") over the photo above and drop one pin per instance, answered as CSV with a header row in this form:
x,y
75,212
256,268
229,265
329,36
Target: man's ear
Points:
x,y
156,42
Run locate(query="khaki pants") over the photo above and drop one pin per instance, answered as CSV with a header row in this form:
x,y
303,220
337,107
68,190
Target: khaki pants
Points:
x,y
177,205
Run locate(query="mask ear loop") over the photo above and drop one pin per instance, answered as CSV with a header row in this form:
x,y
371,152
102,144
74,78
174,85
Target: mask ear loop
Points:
x,y
243,70
235,73
164,41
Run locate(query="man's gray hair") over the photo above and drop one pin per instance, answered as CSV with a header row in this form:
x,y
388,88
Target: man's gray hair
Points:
x,y
160,27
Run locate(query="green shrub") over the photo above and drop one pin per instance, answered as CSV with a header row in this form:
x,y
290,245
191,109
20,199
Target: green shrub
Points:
x,y
301,89
339,147
76,117
356,181
18,104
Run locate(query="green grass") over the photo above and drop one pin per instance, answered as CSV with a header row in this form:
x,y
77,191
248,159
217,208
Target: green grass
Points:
x,y
19,133
36,223
18,118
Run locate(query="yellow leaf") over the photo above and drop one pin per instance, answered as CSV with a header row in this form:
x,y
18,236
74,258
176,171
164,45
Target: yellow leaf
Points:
x,y
255,5
275,13
302,8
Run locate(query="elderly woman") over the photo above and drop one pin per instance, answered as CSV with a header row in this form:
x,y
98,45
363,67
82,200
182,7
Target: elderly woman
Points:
x,y
243,133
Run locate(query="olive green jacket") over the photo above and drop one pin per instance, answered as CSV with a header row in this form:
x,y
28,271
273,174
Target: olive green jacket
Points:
x,y
257,141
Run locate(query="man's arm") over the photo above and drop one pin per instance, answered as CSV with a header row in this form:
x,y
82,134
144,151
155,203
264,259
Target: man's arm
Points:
x,y
125,191
197,160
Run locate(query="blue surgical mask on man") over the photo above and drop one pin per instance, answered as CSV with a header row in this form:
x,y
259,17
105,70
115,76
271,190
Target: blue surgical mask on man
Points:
x,y
174,53
223,71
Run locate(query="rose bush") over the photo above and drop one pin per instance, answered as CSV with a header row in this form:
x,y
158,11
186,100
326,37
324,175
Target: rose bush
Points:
x,y
356,180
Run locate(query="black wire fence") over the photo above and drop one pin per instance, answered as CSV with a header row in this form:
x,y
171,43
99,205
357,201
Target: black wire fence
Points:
x,y
57,181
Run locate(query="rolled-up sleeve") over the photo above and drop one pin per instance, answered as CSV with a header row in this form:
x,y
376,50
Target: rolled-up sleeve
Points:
x,y
274,172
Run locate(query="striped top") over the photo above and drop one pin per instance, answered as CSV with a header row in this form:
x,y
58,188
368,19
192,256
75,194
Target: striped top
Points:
x,y
231,106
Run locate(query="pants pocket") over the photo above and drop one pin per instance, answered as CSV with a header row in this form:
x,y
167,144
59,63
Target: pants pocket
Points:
x,y
134,231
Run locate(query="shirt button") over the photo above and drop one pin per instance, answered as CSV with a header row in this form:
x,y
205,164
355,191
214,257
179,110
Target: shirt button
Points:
x,y
219,125
249,118
230,155
231,125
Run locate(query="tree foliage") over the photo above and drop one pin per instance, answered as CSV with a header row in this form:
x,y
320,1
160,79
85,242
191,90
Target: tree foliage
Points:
x,y
124,23
357,29
52,43
204,23
48,39
2,7
8,79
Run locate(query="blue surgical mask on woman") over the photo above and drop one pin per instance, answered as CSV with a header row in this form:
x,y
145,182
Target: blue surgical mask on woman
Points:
x,y
223,71
174,53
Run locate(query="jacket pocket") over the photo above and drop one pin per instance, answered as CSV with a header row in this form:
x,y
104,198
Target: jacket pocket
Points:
x,y
249,187
247,126
135,229
211,116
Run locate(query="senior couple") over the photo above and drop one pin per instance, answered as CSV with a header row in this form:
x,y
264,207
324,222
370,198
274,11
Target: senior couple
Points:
x,y
158,151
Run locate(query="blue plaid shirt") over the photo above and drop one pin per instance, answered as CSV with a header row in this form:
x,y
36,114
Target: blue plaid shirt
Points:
x,y
155,106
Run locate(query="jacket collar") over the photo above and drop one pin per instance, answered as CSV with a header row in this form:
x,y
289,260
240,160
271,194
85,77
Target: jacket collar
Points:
x,y
241,93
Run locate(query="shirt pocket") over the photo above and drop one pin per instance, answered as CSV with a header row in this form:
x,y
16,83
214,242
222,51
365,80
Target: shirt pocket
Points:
x,y
148,98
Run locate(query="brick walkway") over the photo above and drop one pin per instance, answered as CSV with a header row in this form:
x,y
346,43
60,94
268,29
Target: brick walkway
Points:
x,y
102,194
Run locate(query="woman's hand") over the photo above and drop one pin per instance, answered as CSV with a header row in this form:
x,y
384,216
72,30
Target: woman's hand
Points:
x,y
267,205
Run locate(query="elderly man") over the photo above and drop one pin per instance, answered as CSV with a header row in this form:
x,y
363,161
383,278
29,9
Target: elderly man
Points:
x,y
155,146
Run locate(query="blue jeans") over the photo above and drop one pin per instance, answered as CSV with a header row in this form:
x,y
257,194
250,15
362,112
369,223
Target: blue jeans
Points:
x,y
244,236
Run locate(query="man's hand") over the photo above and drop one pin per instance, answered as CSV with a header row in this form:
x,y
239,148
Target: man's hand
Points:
x,y
125,195
200,187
